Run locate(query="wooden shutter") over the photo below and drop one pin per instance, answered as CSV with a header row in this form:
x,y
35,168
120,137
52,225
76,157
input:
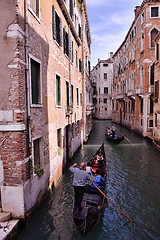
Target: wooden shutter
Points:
x,y
71,9
64,40
156,89
61,32
54,22
69,45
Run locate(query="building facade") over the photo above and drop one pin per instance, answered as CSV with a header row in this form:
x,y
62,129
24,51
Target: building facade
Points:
x,y
102,77
133,71
43,108
156,99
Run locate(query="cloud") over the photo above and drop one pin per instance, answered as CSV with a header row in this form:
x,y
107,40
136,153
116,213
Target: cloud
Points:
x,y
110,21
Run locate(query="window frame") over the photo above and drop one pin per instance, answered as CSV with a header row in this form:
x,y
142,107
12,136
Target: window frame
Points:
x,y
31,57
151,11
41,155
60,105
33,12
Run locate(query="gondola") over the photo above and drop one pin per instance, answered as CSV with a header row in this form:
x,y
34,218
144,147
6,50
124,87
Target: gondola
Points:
x,y
115,139
93,202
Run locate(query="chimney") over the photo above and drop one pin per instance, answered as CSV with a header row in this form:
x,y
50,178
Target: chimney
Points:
x,y
111,55
98,59
136,10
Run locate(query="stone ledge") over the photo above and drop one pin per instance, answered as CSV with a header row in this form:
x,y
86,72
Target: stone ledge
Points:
x,y
8,228
4,216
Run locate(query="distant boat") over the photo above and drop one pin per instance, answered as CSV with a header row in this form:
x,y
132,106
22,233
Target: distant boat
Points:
x,y
115,139
93,202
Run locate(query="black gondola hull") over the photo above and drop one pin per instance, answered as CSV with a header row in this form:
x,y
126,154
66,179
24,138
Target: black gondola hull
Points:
x,y
92,205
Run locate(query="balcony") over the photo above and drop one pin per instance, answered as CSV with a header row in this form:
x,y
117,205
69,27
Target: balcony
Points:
x,y
120,96
69,110
89,107
151,89
140,90
131,92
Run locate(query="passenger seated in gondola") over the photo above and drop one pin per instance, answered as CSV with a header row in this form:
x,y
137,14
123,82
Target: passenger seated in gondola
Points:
x,y
98,181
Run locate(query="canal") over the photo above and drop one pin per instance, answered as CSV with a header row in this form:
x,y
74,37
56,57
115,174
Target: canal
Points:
x,y
133,184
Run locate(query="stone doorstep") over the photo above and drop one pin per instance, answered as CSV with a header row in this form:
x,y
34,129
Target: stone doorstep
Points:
x,y
4,216
8,228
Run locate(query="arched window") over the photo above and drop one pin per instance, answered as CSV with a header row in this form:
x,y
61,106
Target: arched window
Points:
x,y
153,34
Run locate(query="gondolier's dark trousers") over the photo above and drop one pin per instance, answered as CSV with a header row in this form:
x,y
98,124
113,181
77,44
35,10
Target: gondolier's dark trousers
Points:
x,y
78,196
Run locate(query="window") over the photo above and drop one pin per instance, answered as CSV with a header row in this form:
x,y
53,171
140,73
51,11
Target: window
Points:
x,y
106,90
72,56
105,75
80,66
142,18
116,106
154,11
157,52
141,122
105,100
67,95
71,9
153,34
105,109
105,65
35,82
59,141
151,104
150,123
77,97
156,120
79,31
152,74
142,42
141,106
72,95
58,90
67,43
76,59
37,151
34,5
56,26
156,91
81,99
129,108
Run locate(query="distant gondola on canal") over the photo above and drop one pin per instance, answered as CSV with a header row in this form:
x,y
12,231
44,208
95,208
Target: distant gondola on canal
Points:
x,y
93,201
113,138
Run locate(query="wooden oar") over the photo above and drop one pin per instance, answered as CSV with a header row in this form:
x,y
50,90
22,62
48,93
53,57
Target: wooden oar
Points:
x,y
138,224
112,202
125,138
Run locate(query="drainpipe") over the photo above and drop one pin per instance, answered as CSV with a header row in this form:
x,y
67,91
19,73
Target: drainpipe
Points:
x,y
83,82
27,73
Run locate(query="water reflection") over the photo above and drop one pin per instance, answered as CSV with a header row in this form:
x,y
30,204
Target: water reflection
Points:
x,y
133,184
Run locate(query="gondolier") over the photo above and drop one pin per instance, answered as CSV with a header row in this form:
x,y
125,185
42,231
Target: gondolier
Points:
x,y
79,181
92,202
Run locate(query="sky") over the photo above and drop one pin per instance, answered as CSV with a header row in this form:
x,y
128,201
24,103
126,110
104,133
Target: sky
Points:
x,y
109,22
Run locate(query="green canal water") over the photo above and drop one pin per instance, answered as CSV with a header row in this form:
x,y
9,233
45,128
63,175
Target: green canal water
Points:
x,y
133,184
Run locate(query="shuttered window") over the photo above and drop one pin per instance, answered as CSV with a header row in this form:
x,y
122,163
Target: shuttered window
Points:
x,y
156,93
35,82
157,52
77,96
72,95
71,8
57,27
58,90
67,95
67,43
152,74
